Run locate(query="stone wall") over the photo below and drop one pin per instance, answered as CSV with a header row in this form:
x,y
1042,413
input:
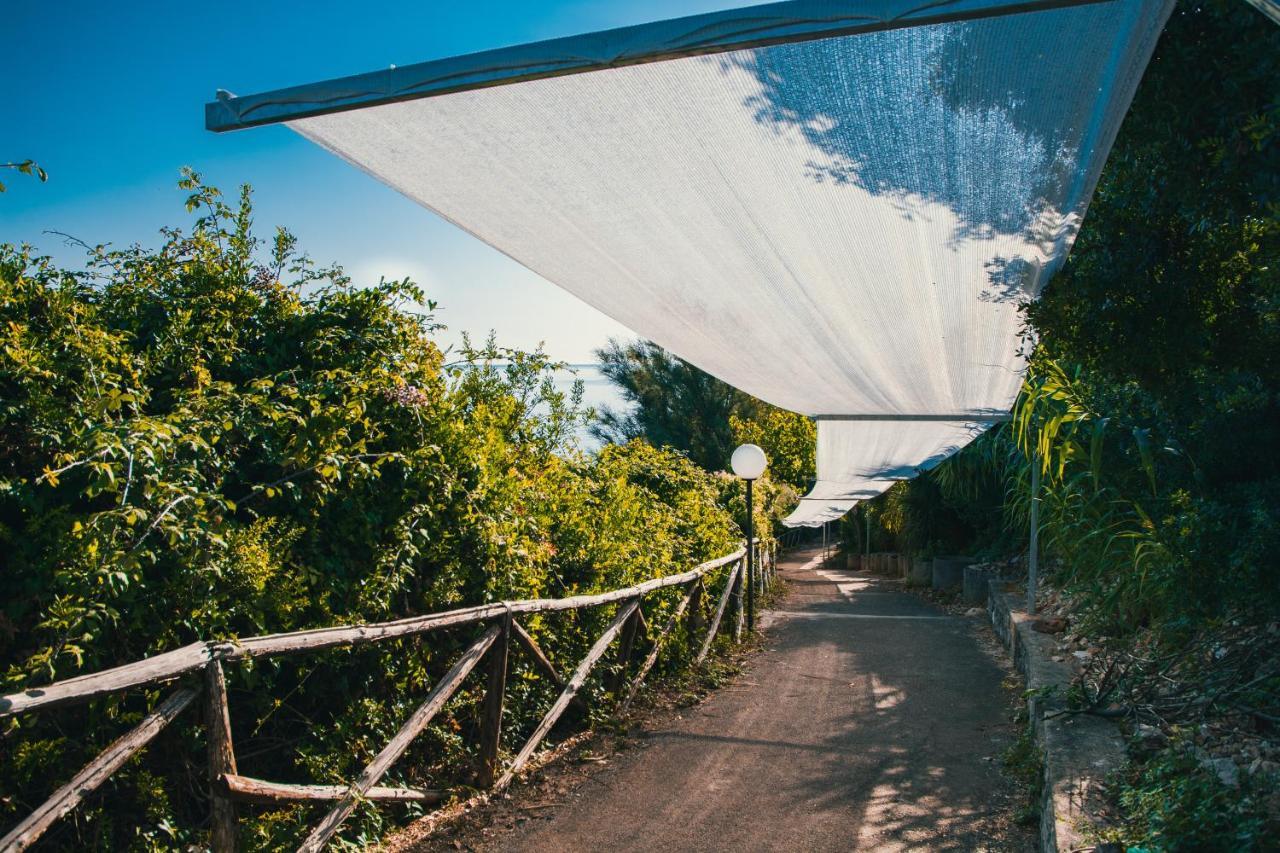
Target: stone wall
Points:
x,y
1079,750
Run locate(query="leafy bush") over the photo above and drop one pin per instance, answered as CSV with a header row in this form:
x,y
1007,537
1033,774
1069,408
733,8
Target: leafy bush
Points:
x,y
215,438
1175,805
675,404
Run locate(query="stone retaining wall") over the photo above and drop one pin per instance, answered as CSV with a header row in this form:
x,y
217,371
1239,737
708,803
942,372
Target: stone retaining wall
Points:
x,y
1079,750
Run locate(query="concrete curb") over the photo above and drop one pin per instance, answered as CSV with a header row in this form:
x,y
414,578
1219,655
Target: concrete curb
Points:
x,y
1079,750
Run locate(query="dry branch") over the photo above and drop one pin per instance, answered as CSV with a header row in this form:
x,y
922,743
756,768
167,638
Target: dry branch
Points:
x,y
249,790
544,663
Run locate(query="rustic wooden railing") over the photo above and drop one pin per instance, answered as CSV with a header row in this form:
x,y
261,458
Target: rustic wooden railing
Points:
x,y
227,787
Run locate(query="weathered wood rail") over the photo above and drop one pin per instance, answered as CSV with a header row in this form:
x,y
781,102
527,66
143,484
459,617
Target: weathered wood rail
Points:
x,y
227,787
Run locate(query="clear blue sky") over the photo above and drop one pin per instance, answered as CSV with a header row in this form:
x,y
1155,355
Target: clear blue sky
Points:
x,y
109,98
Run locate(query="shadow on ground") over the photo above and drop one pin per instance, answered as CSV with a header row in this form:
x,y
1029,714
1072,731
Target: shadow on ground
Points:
x,y
872,720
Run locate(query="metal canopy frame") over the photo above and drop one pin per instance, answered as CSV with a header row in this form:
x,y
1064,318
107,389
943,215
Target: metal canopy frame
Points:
x,y
986,417
696,35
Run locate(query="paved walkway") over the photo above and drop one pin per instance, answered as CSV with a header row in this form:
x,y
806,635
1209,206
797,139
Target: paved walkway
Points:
x,y
872,721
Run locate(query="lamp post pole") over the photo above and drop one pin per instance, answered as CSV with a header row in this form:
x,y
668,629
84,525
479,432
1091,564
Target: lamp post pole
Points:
x,y
751,563
748,463
1033,551
866,513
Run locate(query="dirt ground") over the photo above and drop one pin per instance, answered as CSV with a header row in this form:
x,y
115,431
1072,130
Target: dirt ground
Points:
x,y
867,718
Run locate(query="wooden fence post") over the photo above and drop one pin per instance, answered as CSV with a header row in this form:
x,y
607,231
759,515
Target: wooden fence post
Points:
x,y
69,796
715,621
222,759
694,616
574,684
495,689
418,720
626,644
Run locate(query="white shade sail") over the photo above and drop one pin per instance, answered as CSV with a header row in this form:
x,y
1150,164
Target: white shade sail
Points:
x,y
842,225
858,460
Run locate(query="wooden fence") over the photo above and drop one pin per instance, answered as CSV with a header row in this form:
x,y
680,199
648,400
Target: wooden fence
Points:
x,y
227,787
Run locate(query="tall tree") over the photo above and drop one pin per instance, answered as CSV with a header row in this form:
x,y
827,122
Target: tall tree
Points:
x,y
674,404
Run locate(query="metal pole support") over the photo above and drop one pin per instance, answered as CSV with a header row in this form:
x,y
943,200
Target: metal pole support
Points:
x,y
751,563
1033,553
866,513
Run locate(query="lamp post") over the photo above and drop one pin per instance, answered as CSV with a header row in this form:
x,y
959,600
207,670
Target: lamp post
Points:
x,y
748,462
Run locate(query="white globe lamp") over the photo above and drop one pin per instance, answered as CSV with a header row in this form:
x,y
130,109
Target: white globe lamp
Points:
x,y
748,462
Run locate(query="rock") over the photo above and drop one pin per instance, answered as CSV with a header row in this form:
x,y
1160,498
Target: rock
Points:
x,y
1049,625
1225,769
1082,656
1149,735
975,611
1057,658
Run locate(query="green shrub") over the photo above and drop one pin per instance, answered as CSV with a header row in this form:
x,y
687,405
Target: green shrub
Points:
x,y
1175,805
215,438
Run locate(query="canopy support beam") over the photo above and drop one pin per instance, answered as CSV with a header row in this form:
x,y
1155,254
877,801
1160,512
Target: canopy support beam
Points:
x,y
984,418
696,35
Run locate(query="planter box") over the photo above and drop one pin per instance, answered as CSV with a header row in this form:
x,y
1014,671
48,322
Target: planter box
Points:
x,y
948,572
920,572
976,583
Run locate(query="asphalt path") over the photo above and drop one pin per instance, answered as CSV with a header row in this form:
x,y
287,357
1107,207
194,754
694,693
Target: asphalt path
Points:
x,y
872,720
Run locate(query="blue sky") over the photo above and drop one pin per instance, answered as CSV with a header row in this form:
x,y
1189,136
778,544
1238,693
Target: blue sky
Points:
x,y
109,99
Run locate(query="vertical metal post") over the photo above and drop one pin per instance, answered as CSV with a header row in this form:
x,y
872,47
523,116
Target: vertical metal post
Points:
x,y
866,513
1033,554
751,563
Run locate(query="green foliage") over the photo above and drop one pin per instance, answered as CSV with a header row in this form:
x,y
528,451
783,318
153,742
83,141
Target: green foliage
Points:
x,y
25,167
1175,805
789,440
674,404
1139,534
1023,761
216,438
1151,407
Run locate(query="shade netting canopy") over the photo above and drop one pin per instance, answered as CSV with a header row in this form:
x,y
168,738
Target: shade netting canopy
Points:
x,y
835,206
858,460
